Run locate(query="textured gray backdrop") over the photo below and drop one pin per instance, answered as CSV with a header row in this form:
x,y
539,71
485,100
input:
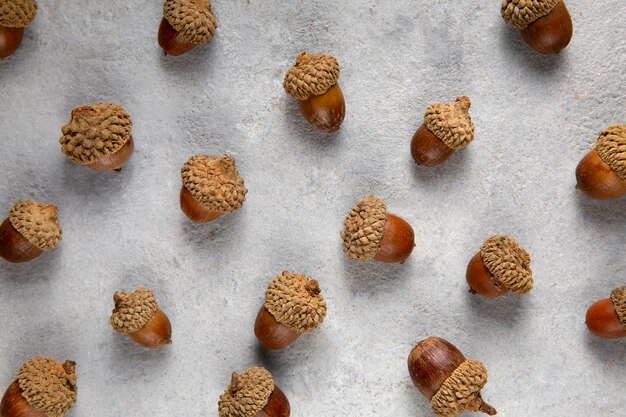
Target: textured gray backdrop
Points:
x,y
535,118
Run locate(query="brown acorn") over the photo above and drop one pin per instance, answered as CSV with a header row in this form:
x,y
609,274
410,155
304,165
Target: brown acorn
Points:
x,y
293,306
253,393
31,229
443,375
502,265
42,388
607,317
15,15
211,187
185,24
373,233
447,128
546,25
602,173
313,81
98,136
138,315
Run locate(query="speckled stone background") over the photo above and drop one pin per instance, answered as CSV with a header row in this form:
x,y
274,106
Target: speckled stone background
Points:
x,y
535,118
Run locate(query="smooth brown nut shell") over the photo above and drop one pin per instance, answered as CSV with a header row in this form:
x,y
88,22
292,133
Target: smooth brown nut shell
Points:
x,y
397,242
550,33
171,41
194,210
427,149
114,161
14,247
277,405
156,333
14,405
10,40
481,280
272,334
326,111
596,178
602,320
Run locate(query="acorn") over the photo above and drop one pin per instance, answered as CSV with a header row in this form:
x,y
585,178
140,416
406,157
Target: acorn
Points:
x,y
98,136
373,233
443,375
447,128
185,24
211,187
546,25
313,81
31,229
253,393
502,265
15,15
42,388
607,318
602,173
293,306
138,315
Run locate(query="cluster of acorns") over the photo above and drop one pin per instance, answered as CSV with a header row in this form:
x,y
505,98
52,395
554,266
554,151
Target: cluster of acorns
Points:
x,y
99,137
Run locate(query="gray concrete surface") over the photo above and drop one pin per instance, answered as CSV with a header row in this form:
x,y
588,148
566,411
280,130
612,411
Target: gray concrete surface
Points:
x,y
535,118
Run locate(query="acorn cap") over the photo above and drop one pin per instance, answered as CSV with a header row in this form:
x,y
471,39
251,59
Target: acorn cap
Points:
x,y
37,222
611,147
295,301
312,75
214,182
364,228
194,20
48,386
247,393
521,13
451,122
133,310
17,13
618,296
461,390
95,131
508,263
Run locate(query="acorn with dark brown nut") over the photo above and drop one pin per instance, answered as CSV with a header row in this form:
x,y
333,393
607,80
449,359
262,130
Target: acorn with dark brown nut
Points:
x,y
186,24
15,15
253,393
607,317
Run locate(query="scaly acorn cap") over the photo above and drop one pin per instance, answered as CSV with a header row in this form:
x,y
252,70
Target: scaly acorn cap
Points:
x,y
451,123
364,227
295,301
460,391
247,393
95,131
37,222
194,20
312,75
133,310
521,13
618,296
611,147
48,386
17,13
508,263
214,182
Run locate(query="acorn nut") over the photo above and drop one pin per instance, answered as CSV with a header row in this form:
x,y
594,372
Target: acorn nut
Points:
x,y
185,24
607,317
15,15
253,393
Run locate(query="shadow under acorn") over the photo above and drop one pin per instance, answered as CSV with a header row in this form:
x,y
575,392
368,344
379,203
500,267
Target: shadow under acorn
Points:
x,y
506,311
43,268
198,61
215,235
298,126
516,50
609,351
373,276
442,174
611,214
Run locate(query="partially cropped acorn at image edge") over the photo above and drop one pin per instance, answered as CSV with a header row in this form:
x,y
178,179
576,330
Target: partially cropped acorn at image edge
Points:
x,y
253,393
15,15
313,82
186,24
293,306
607,317
31,229
601,174
546,25
502,265
450,382
447,128
42,388
98,136
211,187
371,232
138,315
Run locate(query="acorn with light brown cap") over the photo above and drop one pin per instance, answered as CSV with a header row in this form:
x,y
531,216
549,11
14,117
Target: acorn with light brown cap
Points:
x,y
42,388
186,24
293,306
15,15
502,265
211,187
546,25
602,173
313,82
31,229
253,393
607,317
371,232
98,136
138,315
451,382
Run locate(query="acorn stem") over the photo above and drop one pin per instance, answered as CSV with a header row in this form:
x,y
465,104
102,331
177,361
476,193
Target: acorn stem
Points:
x,y
313,287
486,408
